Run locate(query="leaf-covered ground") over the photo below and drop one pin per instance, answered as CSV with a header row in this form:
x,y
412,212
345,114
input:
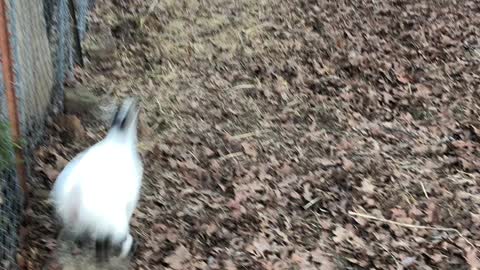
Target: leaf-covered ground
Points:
x,y
289,134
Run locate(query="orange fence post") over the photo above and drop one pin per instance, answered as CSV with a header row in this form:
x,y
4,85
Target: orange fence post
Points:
x,y
9,81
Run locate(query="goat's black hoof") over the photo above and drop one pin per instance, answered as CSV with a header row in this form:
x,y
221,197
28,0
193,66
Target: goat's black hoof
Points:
x,y
133,248
81,242
102,251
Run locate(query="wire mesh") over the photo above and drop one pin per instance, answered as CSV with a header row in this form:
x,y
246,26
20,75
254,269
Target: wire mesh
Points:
x,y
10,195
43,52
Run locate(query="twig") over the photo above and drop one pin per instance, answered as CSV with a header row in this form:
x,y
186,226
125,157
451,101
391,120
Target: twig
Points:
x,y
241,87
424,190
444,229
152,6
310,203
231,155
247,135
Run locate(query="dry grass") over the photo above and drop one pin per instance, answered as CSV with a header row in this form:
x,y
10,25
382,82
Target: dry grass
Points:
x,y
265,123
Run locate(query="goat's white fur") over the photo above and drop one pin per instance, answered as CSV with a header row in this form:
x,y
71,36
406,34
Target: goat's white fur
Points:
x,y
97,192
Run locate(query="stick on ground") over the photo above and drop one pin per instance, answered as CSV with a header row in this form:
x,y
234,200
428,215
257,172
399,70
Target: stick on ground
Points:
x,y
370,217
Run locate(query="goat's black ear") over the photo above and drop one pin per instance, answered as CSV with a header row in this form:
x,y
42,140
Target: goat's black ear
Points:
x,y
115,120
123,122
124,114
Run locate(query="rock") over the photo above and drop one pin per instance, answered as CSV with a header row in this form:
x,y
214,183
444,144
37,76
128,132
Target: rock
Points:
x,y
82,102
102,45
71,127
79,100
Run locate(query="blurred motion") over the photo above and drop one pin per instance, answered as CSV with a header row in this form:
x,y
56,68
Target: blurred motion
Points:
x,y
96,193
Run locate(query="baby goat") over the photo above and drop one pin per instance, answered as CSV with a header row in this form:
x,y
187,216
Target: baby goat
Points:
x,y
96,193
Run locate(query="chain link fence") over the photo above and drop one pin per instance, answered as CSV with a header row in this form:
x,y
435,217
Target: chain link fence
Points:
x,y
10,195
44,46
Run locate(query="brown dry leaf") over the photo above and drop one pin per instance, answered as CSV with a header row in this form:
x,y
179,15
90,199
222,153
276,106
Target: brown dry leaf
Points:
x,y
295,195
189,164
437,257
318,256
447,40
402,76
281,87
475,218
21,261
301,259
208,152
73,126
423,91
178,259
432,212
191,180
172,236
472,258
51,173
325,162
340,235
389,87
285,169
348,165
398,213
229,265
354,58
261,245
215,165
387,97
327,265
211,228
409,261
347,235
307,194
367,186
60,163
249,149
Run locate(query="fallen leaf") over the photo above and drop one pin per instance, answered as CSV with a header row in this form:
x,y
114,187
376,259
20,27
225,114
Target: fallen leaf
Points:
x,y
229,265
51,173
422,91
347,164
472,259
318,256
208,152
261,245
300,258
354,58
60,163
285,169
307,194
178,259
249,149
408,261
72,125
367,186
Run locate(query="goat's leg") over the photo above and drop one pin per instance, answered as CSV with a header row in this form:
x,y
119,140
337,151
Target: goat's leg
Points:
x,y
81,240
128,247
134,247
108,245
101,249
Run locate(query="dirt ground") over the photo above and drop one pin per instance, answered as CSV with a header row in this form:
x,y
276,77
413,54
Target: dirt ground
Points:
x,y
305,134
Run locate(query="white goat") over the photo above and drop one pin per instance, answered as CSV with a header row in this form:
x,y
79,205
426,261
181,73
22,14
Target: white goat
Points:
x,y
96,193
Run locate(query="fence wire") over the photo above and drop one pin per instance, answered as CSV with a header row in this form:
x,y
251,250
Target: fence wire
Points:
x,y
10,195
43,51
